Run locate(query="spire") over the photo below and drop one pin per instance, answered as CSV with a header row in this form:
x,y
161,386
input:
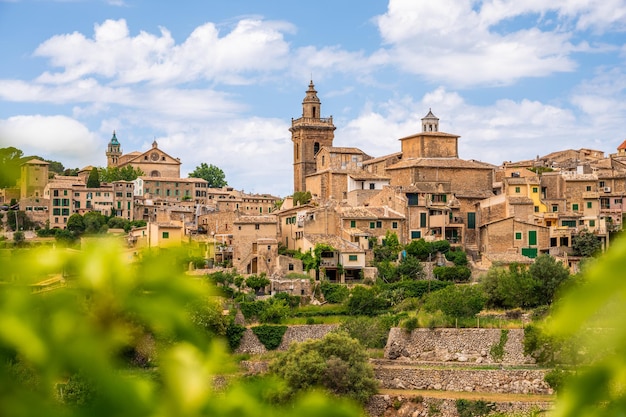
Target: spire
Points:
x,y
311,104
114,140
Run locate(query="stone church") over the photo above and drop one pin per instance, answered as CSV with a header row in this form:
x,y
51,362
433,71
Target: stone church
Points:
x,y
153,162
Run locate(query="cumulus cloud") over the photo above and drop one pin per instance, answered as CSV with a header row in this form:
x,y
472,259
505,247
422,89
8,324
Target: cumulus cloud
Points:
x,y
469,43
59,138
207,54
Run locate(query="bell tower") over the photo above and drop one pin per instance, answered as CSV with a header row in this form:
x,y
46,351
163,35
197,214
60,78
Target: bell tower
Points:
x,y
113,152
309,134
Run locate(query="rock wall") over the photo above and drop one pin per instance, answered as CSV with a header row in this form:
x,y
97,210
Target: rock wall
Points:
x,y
424,406
462,345
251,344
510,381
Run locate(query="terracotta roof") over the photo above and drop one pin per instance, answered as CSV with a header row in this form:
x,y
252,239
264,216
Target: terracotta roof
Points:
x,y
334,241
441,163
36,161
622,146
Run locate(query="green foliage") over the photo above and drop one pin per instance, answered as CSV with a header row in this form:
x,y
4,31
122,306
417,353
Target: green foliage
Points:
x,y
76,224
301,197
211,173
509,288
119,223
371,332
234,334
82,329
497,350
275,311
257,282
415,289
10,161
93,181
410,324
308,261
549,275
19,238
18,220
292,301
366,301
457,256
336,362
586,244
557,378
426,251
270,336
126,173
456,300
389,249
452,273
410,268
473,408
334,293
95,223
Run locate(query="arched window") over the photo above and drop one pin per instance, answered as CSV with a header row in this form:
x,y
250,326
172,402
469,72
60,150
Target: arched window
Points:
x,y
155,174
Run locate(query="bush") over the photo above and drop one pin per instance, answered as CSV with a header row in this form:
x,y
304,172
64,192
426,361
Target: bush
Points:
x,y
469,408
371,332
234,333
336,362
452,273
270,336
334,293
366,302
410,324
456,300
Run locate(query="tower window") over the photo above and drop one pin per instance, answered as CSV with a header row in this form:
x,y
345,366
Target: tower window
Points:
x,y
316,147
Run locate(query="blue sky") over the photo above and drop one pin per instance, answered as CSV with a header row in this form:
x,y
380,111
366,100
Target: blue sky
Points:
x,y
219,81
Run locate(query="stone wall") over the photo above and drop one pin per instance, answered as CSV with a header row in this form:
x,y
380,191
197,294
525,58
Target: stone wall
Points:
x,y
461,345
251,344
424,406
510,381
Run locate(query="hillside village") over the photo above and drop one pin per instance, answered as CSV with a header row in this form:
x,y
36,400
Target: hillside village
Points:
x,y
503,214
348,203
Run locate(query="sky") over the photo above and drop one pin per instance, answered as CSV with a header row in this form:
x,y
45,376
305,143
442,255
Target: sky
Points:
x,y
219,81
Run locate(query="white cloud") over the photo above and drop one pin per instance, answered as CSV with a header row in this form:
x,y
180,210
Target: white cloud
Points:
x,y
468,43
58,138
207,54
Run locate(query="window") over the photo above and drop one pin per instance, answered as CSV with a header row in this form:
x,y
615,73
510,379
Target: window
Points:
x,y
555,208
471,220
536,209
535,190
291,267
589,204
129,195
416,234
394,225
166,235
568,223
532,237
372,225
592,223
372,186
65,212
353,258
601,184
412,199
56,211
55,193
518,235
517,190
574,207
64,192
352,223
588,188
617,201
422,219
379,224
257,226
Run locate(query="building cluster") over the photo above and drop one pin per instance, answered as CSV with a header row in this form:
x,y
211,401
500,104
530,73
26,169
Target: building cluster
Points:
x,y
507,213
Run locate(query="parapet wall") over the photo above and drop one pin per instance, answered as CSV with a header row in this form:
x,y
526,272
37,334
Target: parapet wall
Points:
x,y
460,345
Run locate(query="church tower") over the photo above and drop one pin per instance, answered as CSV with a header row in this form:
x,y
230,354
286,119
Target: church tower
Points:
x,y
309,134
113,152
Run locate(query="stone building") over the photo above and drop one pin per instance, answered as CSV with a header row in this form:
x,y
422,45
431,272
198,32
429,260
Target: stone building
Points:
x,y
154,162
309,134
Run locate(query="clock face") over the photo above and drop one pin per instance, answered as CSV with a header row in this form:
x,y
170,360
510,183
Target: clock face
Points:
x,y
154,156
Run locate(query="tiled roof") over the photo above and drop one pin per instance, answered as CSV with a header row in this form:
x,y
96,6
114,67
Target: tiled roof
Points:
x,y
334,241
622,146
441,163
382,158
334,149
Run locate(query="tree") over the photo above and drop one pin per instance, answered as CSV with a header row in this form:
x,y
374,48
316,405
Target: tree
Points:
x,y
212,174
94,179
10,160
509,288
586,244
410,268
389,249
94,222
257,282
18,220
19,238
366,301
549,275
301,197
336,362
456,300
76,224
126,173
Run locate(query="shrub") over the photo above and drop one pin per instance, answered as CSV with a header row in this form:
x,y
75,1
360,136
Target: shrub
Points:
x,y
497,350
334,293
336,362
410,324
469,408
452,273
456,300
270,336
234,333
371,332
366,301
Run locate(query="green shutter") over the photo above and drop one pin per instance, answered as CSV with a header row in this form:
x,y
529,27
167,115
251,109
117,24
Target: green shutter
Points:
x,y
532,237
422,219
471,220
